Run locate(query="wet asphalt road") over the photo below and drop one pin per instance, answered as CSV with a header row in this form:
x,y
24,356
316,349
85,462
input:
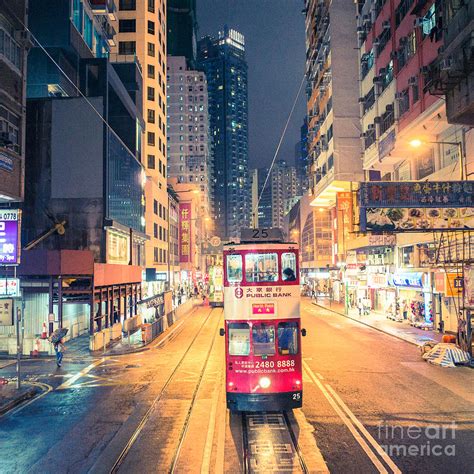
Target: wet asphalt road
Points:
x,y
363,391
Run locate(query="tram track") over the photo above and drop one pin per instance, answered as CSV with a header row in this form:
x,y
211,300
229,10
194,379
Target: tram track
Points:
x,y
146,417
270,444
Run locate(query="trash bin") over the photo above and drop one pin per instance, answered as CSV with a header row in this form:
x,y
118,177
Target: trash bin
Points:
x,y
146,332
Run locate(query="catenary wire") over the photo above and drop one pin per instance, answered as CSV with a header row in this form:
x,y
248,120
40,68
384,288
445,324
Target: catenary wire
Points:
x,y
255,211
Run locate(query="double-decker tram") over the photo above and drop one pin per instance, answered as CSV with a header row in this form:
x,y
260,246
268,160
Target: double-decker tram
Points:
x,y
262,323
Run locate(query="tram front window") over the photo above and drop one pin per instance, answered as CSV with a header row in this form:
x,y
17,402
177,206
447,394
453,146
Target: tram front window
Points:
x,y
261,267
239,339
288,338
234,268
263,337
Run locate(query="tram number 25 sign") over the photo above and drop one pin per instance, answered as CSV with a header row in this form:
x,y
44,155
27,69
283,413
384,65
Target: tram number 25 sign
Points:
x,y
9,223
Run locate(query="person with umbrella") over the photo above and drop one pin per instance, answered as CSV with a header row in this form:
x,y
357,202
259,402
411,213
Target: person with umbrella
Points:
x,y
57,338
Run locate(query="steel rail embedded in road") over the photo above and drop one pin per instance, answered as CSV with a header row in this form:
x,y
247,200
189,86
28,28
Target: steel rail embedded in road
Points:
x,y
270,444
184,430
148,413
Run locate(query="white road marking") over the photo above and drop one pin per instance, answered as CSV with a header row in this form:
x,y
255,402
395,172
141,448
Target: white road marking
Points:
x,y
357,436
80,374
319,376
364,431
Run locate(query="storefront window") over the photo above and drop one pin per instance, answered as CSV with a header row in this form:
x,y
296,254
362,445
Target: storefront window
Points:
x,y
261,267
263,339
407,256
287,338
234,268
288,266
427,254
239,339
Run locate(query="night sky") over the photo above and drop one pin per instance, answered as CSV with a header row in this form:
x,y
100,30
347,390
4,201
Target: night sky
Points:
x,y
275,51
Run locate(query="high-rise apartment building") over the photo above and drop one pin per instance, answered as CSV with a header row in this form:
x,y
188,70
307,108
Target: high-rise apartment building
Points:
x,y
223,61
262,201
13,51
301,159
332,104
188,129
283,186
141,33
182,25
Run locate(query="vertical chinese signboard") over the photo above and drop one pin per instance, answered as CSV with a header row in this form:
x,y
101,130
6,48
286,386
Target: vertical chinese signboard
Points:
x,y
344,219
185,232
9,223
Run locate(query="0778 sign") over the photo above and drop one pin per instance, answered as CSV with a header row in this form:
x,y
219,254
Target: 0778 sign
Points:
x,y
9,220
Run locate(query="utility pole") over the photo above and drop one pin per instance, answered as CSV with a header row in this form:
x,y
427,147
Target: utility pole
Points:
x,y
18,348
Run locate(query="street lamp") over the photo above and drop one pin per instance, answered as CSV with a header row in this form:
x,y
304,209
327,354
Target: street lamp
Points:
x,y
417,143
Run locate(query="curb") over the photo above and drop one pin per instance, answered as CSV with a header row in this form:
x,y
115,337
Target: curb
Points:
x,y
17,401
368,325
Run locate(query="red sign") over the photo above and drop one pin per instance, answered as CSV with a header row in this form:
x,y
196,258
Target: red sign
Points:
x,y
239,292
263,308
185,232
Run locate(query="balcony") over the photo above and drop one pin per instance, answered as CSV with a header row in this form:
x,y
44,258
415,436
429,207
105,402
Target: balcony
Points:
x,y
104,7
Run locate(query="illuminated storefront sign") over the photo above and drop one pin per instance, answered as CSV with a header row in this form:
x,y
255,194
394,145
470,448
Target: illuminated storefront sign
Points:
x,y
412,280
185,232
264,308
377,280
118,248
6,312
9,222
9,287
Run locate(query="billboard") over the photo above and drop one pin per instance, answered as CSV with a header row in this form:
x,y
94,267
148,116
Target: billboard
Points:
x,y
438,194
396,219
9,225
185,232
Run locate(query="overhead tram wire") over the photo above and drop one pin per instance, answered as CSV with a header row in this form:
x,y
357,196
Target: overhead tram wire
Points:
x,y
255,211
33,37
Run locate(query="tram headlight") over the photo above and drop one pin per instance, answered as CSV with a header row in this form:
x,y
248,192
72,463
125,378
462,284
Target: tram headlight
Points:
x,y
264,382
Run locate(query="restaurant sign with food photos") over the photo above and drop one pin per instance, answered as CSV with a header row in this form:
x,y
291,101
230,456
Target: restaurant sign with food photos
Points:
x,y
416,206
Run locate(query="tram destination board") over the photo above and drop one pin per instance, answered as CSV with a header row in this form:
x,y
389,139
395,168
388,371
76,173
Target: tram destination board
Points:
x,y
273,234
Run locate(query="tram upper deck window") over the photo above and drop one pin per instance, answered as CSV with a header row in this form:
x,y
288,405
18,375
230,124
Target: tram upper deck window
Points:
x,y
234,268
261,267
263,337
239,339
288,338
288,266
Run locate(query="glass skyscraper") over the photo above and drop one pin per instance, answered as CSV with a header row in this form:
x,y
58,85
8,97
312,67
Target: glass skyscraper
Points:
x,y
223,61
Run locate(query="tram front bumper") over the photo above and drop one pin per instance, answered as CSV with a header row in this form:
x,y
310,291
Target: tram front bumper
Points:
x,y
264,401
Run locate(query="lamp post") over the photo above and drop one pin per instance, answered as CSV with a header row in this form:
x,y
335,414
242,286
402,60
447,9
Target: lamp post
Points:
x,y
416,143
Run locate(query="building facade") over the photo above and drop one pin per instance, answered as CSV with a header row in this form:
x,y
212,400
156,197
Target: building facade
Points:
x,y
301,159
182,26
261,198
188,129
14,47
223,61
141,34
333,111
283,185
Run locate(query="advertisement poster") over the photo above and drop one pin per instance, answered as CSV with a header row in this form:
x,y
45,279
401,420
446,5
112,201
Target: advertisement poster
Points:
x,y
118,248
437,194
344,214
6,312
9,287
469,286
9,223
399,219
185,232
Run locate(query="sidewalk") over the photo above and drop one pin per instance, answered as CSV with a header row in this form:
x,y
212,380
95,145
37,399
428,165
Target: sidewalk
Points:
x,y
401,330
10,396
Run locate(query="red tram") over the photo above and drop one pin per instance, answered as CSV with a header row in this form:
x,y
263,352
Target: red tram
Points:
x,y
262,323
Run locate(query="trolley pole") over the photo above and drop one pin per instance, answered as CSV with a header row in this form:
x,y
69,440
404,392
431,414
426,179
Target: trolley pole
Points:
x,y
18,349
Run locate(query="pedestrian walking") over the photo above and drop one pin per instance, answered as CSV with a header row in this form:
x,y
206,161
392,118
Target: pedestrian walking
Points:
x,y
116,315
405,310
360,307
59,348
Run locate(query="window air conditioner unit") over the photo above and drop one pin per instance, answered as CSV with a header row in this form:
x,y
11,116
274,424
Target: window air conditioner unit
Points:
x,y
424,70
393,54
361,100
377,120
371,126
377,80
419,22
366,19
399,95
360,30
386,25
389,108
403,40
382,71
363,135
412,81
376,43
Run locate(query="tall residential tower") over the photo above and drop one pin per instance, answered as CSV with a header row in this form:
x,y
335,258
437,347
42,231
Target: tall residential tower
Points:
x,y
223,61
